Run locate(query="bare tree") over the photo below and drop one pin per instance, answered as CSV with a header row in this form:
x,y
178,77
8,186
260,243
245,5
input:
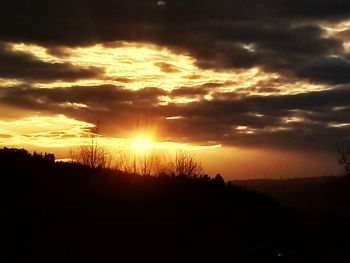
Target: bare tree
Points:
x,y
161,162
145,164
344,158
185,165
124,162
92,154
151,163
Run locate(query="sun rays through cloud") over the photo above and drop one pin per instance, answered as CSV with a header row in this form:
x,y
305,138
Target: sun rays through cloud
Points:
x,y
261,76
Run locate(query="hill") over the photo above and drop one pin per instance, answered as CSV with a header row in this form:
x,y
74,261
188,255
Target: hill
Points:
x,y
66,212
320,196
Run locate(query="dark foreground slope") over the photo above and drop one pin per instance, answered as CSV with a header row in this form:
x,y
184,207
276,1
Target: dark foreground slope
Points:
x,y
60,212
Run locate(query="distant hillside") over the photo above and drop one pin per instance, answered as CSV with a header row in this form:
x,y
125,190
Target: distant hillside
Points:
x,y
327,196
66,212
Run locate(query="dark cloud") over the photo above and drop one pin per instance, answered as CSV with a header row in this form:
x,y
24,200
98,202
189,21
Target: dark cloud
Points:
x,y
310,120
333,70
198,91
190,91
278,35
167,68
20,65
101,96
123,80
113,108
302,120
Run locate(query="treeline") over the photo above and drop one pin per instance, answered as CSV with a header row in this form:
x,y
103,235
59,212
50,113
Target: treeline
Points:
x,y
95,157
151,162
13,156
70,212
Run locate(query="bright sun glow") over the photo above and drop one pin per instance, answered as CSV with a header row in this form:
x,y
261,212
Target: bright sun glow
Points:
x,y
141,144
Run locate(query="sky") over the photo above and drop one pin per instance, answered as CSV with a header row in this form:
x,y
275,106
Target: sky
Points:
x,y
254,88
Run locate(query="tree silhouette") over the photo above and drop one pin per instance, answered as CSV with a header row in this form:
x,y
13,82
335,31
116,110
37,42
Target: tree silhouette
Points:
x,y
185,165
92,154
151,163
344,158
219,180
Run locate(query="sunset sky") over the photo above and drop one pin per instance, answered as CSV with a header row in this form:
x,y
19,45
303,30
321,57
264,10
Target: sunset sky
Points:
x,y
254,88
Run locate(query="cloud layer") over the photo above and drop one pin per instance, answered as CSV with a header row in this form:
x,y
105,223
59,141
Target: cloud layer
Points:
x,y
280,36
296,43
309,120
23,66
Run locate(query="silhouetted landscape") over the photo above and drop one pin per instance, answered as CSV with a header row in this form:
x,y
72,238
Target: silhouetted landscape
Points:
x,y
154,131
67,212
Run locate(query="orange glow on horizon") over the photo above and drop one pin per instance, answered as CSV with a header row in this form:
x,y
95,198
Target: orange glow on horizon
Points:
x,y
61,132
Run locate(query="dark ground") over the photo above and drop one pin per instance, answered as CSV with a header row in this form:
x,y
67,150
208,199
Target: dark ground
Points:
x,y
60,212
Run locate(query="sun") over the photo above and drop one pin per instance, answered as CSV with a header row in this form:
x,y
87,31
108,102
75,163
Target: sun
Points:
x,y
141,144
